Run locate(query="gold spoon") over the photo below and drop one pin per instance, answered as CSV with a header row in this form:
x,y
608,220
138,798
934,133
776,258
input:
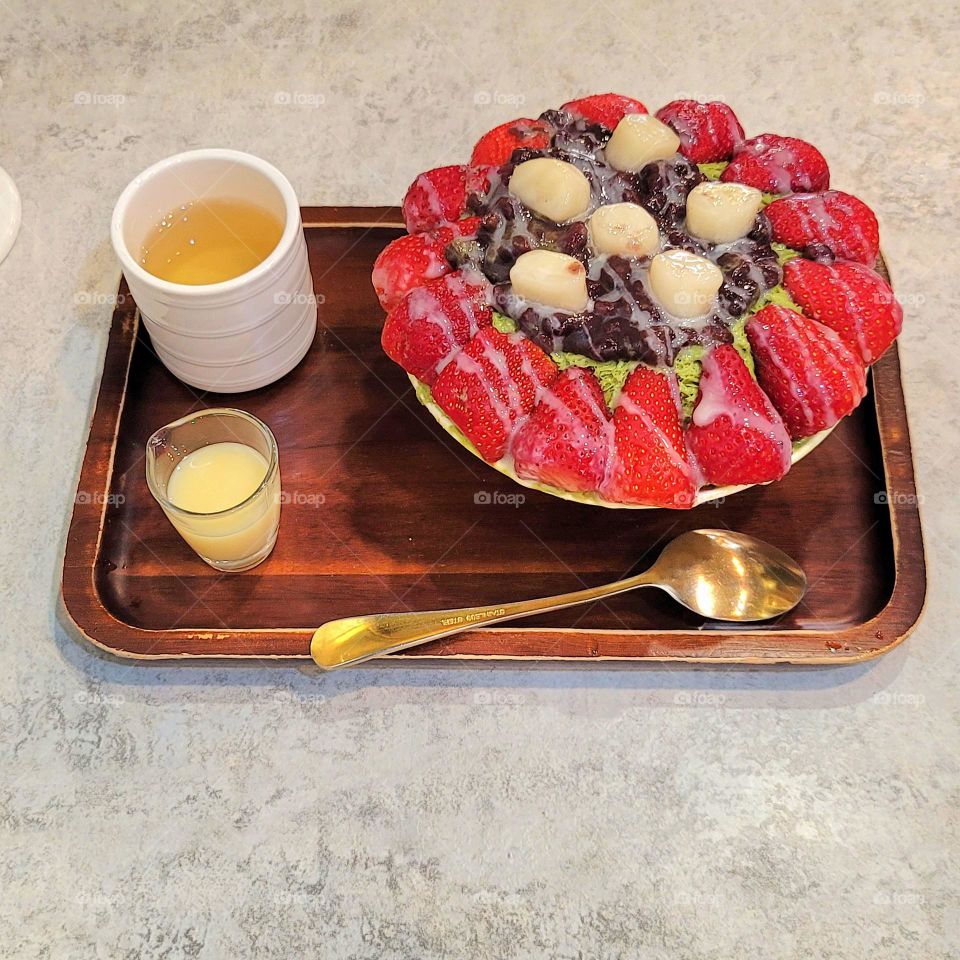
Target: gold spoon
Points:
x,y
716,573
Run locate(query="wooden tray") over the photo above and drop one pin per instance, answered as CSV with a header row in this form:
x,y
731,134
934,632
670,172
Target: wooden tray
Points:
x,y
384,511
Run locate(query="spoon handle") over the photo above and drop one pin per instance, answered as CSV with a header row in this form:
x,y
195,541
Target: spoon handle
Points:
x,y
339,643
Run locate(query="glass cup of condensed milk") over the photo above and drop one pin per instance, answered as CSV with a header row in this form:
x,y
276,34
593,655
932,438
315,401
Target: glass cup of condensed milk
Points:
x,y
216,475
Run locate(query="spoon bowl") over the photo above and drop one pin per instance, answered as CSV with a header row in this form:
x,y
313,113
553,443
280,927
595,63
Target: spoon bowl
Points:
x,y
723,575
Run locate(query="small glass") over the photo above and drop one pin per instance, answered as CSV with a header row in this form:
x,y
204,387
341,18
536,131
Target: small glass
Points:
x,y
241,536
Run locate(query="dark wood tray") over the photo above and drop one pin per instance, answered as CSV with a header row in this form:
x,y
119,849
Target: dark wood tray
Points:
x,y
384,511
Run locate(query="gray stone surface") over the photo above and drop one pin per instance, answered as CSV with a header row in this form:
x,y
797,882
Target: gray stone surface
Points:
x,y
254,812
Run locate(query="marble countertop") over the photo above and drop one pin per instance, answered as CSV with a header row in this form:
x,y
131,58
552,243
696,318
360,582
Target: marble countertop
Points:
x,y
203,812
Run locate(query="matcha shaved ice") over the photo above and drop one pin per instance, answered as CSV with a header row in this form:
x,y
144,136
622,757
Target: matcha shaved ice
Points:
x,y
742,345
784,253
779,297
424,393
687,367
612,374
712,171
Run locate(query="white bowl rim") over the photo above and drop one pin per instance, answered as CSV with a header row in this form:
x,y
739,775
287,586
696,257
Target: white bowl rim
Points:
x,y
198,290
800,449
11,213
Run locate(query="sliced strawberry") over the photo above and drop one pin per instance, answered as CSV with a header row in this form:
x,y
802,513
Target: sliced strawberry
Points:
x,y
566,440
496,146
708,132
838,220
435,198
433,322
495,380
649,464
805,368
850,299
408,262
736,434
607,109
413,259
479,179
776,164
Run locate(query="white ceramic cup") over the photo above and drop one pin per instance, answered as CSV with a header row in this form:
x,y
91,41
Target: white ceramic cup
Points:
x,y
239,334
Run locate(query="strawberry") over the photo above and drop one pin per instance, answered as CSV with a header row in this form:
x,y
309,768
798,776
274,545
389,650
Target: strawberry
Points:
x,y
649,464
607,109
479,179
776,164
496,146
431,323
413,259
850,299
708,132
736,435
566,440
838,220
807,371
435,197
494,381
